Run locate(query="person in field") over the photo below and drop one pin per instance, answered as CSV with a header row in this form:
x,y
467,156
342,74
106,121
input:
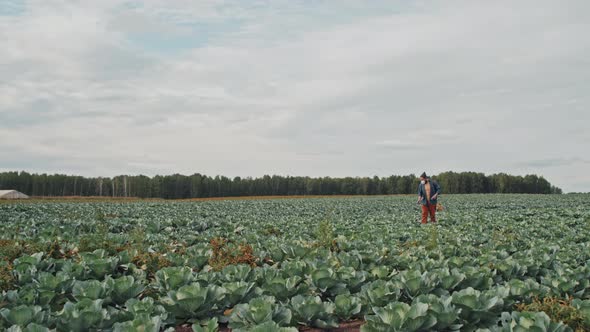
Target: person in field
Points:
x,y
428,191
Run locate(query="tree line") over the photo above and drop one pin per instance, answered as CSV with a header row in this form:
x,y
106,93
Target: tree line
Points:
x,y
198,186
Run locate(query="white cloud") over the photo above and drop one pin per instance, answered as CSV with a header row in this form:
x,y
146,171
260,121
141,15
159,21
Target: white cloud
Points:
x,y
279,87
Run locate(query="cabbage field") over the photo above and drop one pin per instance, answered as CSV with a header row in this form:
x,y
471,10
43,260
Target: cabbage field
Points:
x,y
492,263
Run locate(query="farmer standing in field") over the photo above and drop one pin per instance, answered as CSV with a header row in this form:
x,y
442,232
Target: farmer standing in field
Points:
x,y
427,195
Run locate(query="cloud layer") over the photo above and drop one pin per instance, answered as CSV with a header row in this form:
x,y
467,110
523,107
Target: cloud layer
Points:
x,y
296,87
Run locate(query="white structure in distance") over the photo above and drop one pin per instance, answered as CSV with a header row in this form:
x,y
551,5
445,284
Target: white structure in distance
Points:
x,y
12,194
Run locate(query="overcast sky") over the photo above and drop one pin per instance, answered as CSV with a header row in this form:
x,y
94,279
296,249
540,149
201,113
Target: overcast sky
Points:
x,y
318,88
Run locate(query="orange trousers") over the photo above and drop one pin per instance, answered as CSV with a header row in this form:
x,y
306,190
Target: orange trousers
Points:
x,y
426,210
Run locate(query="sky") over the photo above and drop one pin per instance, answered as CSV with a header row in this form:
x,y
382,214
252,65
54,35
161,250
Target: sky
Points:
x,y
296,87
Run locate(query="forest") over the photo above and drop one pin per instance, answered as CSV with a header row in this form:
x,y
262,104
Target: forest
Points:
x,y
179,186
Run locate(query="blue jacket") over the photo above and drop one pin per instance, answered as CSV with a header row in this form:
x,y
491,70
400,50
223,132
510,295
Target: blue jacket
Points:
x,y
434,189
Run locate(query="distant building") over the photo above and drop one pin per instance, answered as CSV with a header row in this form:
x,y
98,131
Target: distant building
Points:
x,y
12,194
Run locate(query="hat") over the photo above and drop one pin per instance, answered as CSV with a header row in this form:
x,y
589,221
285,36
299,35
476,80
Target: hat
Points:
x,y
423,175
